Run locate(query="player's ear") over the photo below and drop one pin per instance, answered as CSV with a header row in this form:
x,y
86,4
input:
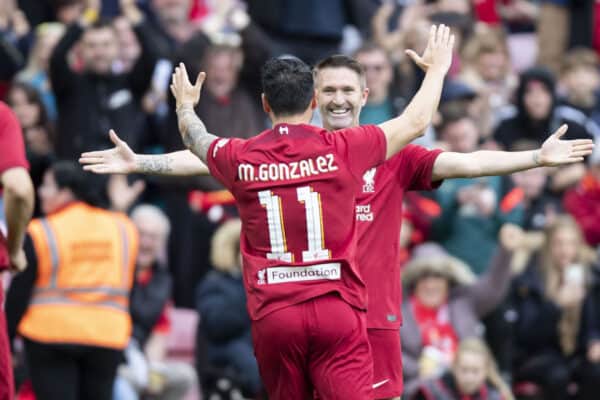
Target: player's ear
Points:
x,y
364,97
265,104
313,102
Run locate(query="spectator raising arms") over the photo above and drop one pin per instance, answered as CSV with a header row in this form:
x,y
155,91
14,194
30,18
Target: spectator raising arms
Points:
x,y
93,99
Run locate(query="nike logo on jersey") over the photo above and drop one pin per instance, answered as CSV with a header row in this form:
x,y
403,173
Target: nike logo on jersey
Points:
x,y
376,385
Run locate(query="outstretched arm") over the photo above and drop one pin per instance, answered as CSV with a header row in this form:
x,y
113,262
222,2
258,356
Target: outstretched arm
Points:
x,y
554,152
122,160
193,132
418,114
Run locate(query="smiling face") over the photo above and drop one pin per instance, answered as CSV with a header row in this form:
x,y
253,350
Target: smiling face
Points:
x,y
340,96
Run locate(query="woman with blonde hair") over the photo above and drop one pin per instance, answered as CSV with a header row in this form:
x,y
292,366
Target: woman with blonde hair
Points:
x,y
552,300
221,302
473,376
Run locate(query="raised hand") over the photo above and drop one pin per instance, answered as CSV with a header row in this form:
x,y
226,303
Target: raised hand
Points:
x,y
121,194
511,237
438,52
555,151
184,92
118,160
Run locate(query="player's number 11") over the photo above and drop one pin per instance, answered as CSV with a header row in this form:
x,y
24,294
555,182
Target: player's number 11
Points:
x,y
314,226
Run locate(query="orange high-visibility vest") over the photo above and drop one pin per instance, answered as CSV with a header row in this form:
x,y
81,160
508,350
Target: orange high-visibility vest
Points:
x,y
85,267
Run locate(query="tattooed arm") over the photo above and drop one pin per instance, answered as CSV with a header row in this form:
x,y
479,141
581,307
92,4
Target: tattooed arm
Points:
x,y
193,132
122,160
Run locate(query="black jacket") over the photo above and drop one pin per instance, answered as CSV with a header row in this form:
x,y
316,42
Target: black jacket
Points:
x,y
536,328
221,302
89,105
515,124
147,302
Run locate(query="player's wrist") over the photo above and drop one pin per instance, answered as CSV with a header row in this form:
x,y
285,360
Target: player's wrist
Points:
x,y
537,158
184,105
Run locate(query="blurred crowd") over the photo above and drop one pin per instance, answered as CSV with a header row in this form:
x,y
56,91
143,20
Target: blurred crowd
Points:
x,y
524,323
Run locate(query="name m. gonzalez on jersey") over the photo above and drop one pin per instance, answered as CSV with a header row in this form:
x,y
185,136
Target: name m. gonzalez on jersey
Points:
x,y
295,187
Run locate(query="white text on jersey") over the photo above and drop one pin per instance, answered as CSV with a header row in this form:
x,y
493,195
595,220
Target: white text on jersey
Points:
x,y
287,171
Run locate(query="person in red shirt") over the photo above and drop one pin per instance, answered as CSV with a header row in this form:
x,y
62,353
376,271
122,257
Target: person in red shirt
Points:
x,y
295,187
341,92
17,196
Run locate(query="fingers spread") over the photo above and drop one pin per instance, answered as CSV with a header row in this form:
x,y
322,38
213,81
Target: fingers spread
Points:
x,y
200,80
432,34
113,137
561,131
451,44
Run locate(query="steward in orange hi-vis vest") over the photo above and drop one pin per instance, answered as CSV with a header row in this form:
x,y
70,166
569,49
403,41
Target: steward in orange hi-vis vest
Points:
x,y
86,260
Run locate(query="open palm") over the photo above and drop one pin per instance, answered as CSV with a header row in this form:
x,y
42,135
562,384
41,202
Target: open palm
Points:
x,y
556,152
438,50
118,160
182,89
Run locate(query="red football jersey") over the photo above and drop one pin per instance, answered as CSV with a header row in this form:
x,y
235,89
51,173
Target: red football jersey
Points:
x,y
295,187
379,218
12,155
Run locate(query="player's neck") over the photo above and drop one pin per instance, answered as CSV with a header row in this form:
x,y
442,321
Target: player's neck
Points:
x,y
303,118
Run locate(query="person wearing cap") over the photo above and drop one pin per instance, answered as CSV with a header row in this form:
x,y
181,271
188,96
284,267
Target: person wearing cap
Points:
x,y
443,304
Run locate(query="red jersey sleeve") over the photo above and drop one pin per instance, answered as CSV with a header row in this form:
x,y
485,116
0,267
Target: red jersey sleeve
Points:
x,y
11,141
222,160
414,167
364,147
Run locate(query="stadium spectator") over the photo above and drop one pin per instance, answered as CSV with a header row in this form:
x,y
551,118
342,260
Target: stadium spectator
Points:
x,y
94,99
16,198
443,304
552,330
530,188
473,375
221,303
35,72
311,29
37,127
71,303
583,201
148,373
473,209
536,112
381,103
38,131
486,69
580,82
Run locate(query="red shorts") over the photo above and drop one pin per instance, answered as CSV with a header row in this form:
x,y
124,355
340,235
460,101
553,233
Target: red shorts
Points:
x,y
6,376
319,345
387,362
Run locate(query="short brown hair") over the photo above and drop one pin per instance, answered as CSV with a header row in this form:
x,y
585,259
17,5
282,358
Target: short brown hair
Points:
x,y
579,57
341,61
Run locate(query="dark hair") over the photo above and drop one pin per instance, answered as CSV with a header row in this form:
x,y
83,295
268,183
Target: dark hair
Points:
x,y
452,113
288,85
33,96
70,175
341,61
